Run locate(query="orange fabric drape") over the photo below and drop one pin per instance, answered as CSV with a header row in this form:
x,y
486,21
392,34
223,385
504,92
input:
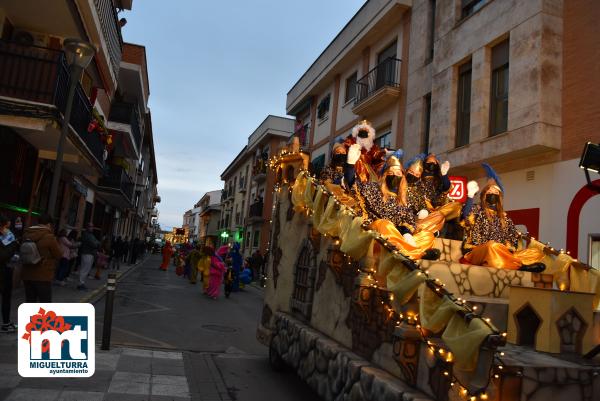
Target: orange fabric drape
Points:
x,y
424,239
498,255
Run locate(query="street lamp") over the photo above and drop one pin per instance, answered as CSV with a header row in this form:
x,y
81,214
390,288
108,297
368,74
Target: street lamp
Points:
x,y
78,55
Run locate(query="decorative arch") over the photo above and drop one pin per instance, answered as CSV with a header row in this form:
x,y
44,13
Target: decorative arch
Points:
x,y
581,197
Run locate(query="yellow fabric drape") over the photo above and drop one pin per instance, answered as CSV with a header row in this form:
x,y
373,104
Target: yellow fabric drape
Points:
x,y
438,217
403,283
464,340
586,281
298,192
309,193
355,241
424,239
330,220
318,206
435,312
498,255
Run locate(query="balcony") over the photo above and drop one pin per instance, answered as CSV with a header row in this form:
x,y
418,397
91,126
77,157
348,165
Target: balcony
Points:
x,y
125,119
255,214
109,22
117,187
379,88
259,171
41,75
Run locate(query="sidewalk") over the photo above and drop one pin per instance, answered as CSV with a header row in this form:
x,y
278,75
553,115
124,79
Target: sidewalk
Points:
x,y
69,293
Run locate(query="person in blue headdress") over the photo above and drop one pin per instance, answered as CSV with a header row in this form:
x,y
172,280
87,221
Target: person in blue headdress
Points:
x,y
491,238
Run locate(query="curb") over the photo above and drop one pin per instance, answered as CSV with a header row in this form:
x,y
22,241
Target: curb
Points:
x,y
98,293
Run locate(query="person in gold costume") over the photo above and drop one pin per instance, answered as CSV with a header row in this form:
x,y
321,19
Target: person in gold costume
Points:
x,y
334,171
491,238
385,202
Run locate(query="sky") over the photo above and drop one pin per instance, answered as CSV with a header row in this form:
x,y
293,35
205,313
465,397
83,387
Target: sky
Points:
x,y
216,70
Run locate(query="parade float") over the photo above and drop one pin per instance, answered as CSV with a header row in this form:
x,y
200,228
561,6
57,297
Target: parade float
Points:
x,y
357,319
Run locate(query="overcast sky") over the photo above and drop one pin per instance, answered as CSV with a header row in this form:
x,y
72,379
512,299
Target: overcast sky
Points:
x,y
217,69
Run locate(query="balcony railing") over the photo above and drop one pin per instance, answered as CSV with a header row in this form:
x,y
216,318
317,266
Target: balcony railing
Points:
x,y
386,73
116,178
41,75
256,210
127,113
109,23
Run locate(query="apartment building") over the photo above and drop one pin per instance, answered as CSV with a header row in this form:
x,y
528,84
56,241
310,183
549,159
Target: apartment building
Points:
x,y
247,196
509,82
210,213
34,77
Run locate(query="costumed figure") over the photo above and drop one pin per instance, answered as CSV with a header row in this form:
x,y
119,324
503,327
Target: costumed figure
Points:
x,y
217,269
203,266
491,238
366,157
236,264
334,171
434,185
385,202
167,252
415,190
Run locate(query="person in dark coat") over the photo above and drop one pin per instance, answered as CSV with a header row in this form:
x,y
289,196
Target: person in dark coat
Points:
x,y
8,248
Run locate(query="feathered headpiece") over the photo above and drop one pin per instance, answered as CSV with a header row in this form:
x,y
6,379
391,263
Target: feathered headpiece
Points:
x,y
364,125
416,161
493,178
393,160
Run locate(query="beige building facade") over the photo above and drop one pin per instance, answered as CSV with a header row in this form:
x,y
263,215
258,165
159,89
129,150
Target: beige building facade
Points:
x,y
508,82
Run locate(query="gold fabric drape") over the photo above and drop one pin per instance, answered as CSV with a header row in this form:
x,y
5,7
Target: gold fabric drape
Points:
x,y
498,255
423,239
437,218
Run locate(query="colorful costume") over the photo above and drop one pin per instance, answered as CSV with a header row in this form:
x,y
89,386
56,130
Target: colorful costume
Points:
x,y
385,202
491,238
372,158
167,252
236,264
217,269
203,266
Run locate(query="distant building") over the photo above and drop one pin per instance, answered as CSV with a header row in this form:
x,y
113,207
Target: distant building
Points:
x,y
247,196
210,213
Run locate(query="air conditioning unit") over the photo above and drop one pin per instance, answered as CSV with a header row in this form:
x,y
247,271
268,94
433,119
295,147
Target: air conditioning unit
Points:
x,y
30,38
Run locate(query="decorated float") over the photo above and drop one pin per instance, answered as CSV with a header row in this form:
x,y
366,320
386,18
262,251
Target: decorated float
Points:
x,y
359,316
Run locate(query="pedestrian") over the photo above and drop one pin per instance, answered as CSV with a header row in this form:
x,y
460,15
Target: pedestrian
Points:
x,y
8,249
73,237
63,264
167,252
217,268
88,249
102,257
37,278
204,266
236,264
116,253
193,259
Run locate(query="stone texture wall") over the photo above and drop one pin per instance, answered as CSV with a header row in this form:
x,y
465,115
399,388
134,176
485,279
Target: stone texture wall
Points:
x,y
332,370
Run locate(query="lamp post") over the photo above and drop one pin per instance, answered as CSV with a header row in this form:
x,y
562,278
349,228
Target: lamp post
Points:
x,y
78,54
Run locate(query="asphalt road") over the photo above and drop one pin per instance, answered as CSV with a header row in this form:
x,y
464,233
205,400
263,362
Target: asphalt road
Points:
x,y
161,311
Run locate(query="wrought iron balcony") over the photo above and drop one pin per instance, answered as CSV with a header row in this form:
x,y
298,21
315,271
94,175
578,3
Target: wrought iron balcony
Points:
x,y
127,113
41,75
109,23
116,181
381,83
255,213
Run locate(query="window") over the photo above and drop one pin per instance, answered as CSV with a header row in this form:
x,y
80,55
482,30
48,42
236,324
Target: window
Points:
x,y
463,105
323,107
426,123
248,239
305,273
499,89
256,239
384,140
350,87
470,7
432,6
